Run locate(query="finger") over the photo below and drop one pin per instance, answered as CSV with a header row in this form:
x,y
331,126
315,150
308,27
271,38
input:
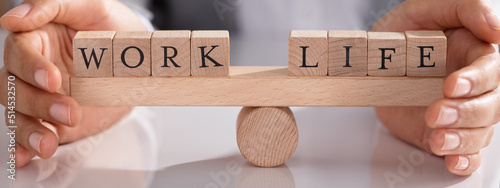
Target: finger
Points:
x,y
463,164
475,15
481,71
481,111
23,58
22,155
77,14
53,107
459,141
35,137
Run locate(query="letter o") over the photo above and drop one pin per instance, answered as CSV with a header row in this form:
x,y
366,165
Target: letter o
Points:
x,y
141,59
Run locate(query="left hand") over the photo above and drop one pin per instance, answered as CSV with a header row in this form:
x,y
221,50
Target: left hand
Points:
x,y
460,125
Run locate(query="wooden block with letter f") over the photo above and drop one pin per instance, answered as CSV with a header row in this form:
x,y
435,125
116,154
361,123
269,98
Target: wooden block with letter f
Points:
x,y
308,53
210,53
386,54
92,54
426,53
132,53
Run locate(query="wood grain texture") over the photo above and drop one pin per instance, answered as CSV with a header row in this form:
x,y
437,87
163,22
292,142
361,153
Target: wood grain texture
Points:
x,y
315,45
210,46
339,42
266,136
94,48
175,44
133,47
395,41
419,44
257,86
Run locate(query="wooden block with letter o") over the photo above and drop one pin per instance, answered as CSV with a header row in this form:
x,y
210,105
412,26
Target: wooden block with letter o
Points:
x,y
210,53
308,53
93,53
386,54
132,53
347,53
171,53
426,53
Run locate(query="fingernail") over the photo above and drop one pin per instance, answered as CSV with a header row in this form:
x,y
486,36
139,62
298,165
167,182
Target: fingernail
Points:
x,y
34,140
493,20
462,88
451,141
41,79
19,11
463,163
61,113
446,116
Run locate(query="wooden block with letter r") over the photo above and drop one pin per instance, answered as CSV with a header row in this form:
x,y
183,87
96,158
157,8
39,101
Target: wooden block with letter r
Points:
x,y
171,53
308,53
132,53
93,54
210,53
347,53
426,53
386,54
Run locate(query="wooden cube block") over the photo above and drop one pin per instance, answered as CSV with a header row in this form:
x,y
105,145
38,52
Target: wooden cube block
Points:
x,y
426,53
171,53
93,54
386,54
308,53
347,53
132,53
210,53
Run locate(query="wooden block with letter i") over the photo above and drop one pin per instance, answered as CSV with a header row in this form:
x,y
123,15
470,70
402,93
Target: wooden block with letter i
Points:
x,y
171,53
426,53
308,53
93,54
132,53
347,53
210,53
386,54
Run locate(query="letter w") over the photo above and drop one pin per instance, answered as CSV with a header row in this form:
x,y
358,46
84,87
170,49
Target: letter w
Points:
x,y
92,55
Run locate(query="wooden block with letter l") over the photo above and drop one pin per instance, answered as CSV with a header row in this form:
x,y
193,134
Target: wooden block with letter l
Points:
x,y
132,53
210,53
426,53
347,53
308,53
171,53
93,54
386,54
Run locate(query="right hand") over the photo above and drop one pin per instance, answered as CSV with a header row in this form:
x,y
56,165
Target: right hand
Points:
x,y
39,54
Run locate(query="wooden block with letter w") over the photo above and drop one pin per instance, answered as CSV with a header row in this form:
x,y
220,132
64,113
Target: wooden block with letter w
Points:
x,y
93,54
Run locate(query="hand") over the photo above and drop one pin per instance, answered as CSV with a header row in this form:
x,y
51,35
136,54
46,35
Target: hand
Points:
x,y
460,125
39,55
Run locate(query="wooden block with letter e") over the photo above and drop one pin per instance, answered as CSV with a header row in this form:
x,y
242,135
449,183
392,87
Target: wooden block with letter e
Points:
x,y
132,53
386,54
426,53
93,54
308,53
347,53
171,53
210,53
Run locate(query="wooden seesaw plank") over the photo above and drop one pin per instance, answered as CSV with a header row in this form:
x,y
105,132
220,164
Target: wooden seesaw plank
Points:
x,y
257,86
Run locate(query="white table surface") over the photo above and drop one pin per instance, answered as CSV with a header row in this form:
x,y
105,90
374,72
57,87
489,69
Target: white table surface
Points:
x,y
196,147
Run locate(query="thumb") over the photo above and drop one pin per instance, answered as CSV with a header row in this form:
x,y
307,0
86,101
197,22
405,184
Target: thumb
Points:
x,y
76,14
476,15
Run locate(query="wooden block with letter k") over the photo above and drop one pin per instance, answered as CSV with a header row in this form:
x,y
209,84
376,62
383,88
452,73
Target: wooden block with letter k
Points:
x,y
210,53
